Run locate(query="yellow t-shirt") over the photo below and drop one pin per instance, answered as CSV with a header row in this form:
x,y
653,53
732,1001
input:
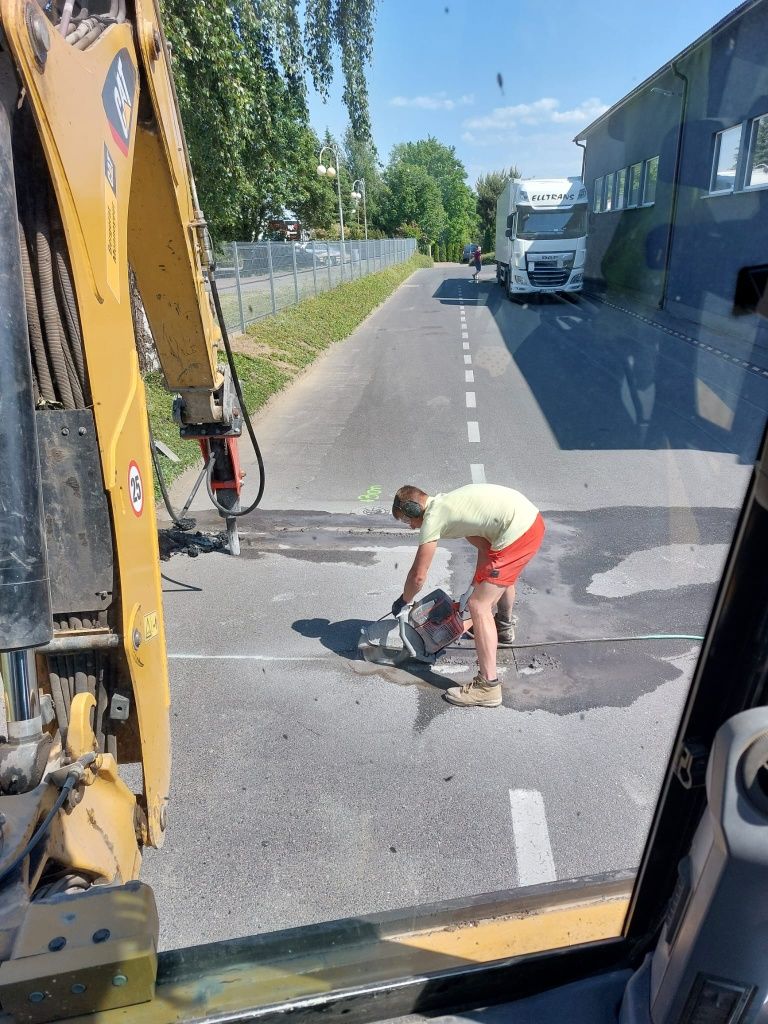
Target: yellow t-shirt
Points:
x,y
499,514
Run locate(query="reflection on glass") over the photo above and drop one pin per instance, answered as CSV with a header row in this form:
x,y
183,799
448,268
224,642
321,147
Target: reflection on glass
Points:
x,y
727,146
621,182
633,188
551,223
757,171
597,199
609,179
649,180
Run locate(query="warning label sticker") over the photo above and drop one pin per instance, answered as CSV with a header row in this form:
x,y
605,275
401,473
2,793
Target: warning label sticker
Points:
x,y
110,223
135,488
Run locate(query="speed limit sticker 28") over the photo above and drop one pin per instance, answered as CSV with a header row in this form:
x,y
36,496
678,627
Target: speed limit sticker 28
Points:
x,y
135,488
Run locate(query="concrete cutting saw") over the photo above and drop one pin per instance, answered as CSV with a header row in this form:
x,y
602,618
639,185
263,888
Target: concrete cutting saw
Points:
x,y
419,633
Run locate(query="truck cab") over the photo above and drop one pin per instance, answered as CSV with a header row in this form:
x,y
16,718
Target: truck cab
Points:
x,y
541,229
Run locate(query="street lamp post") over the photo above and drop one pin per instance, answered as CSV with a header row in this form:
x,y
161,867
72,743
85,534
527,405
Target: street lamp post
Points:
x,y
330,172
360,194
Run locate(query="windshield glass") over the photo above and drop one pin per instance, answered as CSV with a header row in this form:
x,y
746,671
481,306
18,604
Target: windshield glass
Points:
x,y
551,223
347,166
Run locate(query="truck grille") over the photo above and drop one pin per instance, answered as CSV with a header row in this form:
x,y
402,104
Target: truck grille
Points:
x,y
549,277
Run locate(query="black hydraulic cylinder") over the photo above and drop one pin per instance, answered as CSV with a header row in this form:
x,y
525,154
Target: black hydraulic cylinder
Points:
x,y
25,611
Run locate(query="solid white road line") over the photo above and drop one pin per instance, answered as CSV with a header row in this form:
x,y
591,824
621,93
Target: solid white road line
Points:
x,y
469,376
234,657
478,473
533,850
468,360
471,400
473,431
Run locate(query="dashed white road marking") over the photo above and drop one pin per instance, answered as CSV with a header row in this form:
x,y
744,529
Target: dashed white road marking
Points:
x,y
468,360
465,345
533,850
473,431
464,334
478,473
471,400
469,376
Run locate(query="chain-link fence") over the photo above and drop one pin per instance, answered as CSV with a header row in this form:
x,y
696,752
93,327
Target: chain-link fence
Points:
x,y
256,279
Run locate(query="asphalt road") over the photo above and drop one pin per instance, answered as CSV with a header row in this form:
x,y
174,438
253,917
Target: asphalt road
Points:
x,y
309,785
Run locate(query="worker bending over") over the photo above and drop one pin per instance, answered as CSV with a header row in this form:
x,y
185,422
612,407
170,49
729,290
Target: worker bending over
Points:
x,y
507,530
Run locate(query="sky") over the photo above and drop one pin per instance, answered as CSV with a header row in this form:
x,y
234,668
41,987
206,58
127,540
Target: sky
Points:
x,y
435,66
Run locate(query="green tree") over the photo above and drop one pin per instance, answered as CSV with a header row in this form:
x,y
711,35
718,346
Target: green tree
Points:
x,y
445,169
488,188
411,197
362,161
240,67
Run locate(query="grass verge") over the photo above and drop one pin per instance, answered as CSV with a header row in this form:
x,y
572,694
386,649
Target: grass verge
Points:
x,y
277,348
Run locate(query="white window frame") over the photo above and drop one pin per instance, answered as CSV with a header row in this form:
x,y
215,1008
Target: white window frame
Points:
x,y
606,197
644,181
738,176
753,128
628,187
597,197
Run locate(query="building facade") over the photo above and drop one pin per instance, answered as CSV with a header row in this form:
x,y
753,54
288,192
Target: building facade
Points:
x,y
677,175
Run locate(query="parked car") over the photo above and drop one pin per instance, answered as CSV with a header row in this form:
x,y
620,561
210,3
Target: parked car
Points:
x,y
469,252
324,253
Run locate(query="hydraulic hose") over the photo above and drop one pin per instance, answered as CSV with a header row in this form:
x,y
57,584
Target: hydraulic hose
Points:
x,y
68,785
181,523
228,512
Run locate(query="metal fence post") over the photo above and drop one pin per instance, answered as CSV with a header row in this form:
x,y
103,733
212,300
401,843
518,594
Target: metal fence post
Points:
x,y
271,276
328,263
295,275
237,285
314,267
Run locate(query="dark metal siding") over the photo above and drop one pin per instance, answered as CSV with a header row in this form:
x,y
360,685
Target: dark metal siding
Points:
x,y
713,237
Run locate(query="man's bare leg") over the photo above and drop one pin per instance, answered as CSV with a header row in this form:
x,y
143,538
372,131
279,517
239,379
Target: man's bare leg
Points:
x,y
480,606
506,603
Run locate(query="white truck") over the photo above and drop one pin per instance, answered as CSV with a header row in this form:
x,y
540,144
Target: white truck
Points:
x,y
541,235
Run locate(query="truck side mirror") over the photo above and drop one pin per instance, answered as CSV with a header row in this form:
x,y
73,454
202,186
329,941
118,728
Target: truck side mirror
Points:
x,y
508,233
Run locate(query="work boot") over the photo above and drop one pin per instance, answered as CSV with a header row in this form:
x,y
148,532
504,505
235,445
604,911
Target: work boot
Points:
x,y
477,694
505,630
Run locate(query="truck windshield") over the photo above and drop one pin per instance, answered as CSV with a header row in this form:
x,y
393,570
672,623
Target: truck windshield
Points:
x,y
551,223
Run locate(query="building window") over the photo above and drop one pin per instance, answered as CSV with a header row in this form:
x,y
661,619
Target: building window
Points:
x,y
650,175
597,198
621,184
726,159
608,194
757,162
634,175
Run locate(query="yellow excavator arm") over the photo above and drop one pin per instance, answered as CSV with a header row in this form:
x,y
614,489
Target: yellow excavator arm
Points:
x,y
95,176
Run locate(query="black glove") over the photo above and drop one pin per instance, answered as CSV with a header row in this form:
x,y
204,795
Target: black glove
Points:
x,y
398,606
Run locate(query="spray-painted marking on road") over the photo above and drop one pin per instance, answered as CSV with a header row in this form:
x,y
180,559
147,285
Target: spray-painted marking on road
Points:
x,y
478,472
471,400
468,360
469,376
533,850
473,432
372,494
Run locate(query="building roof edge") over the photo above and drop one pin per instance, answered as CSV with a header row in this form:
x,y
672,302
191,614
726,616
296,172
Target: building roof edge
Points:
x,y
737,12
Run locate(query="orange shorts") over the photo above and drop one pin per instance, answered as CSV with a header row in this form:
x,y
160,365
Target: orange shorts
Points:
x,y
503,567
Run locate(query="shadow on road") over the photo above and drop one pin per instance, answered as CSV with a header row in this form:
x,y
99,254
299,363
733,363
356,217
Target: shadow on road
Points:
x,y
605,380
342,637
